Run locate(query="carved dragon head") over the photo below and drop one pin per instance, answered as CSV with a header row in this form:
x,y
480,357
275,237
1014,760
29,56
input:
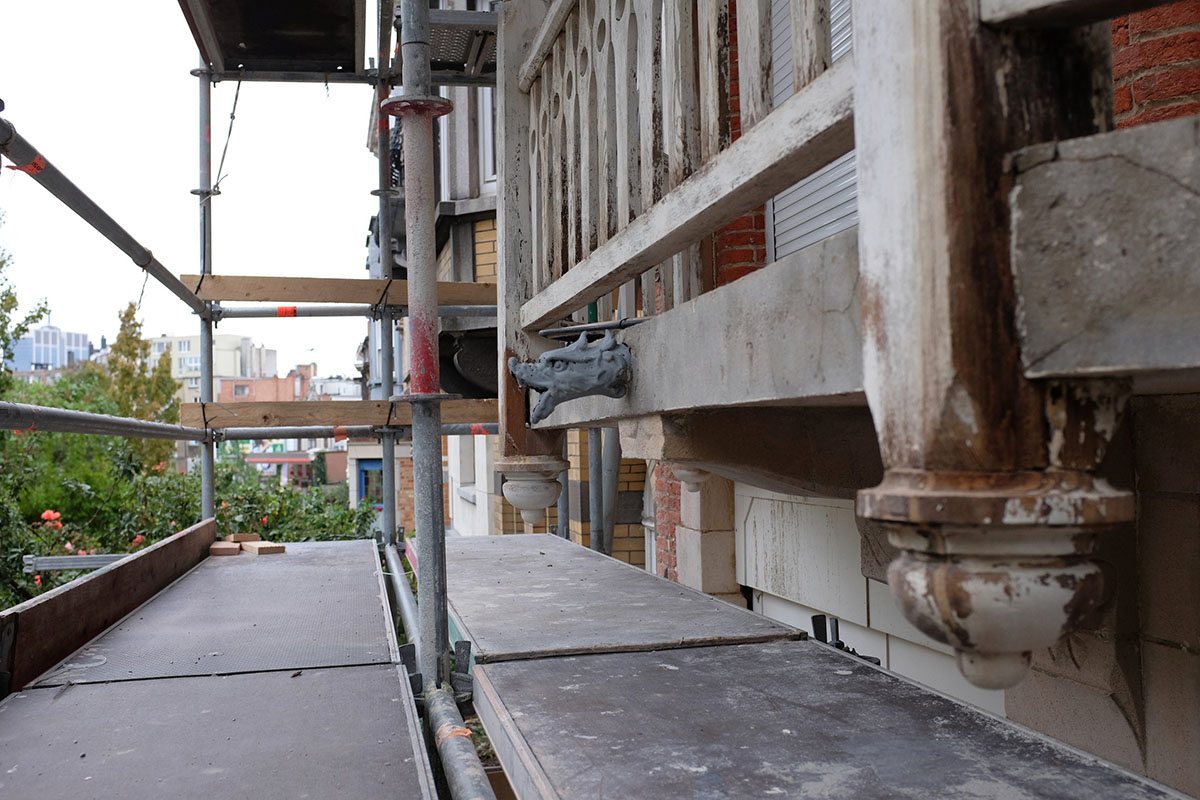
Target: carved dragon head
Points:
x,y
576,370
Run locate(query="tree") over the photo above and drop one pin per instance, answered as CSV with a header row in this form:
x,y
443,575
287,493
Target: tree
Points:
x,y
12,329
141,392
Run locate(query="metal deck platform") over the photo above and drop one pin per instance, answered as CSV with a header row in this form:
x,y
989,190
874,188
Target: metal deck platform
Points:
x,y
320,605
536,595
269,676
596,679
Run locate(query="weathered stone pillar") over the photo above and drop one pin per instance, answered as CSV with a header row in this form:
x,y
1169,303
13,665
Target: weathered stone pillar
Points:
x,y
990,488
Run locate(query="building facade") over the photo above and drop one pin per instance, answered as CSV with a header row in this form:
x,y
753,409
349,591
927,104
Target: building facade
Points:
x,y
49,348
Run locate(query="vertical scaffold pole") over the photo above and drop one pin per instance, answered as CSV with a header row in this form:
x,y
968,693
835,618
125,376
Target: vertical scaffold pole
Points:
x,y
207,465
417,108
383,227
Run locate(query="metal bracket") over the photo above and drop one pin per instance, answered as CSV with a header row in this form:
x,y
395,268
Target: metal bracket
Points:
x,y
408,657
577,370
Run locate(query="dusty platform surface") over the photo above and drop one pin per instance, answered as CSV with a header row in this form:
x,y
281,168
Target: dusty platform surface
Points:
x,y
777,719
320,604
536,595
344,732
250,676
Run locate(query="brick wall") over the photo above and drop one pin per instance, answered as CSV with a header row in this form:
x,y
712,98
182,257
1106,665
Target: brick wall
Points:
x,y
485,251
666,519
1156,64
741,246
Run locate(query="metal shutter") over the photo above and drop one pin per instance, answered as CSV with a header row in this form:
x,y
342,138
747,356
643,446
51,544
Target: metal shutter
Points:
x,y
826,201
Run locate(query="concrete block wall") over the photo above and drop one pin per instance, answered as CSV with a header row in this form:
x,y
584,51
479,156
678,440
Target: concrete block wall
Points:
x,y
1156,64
802,556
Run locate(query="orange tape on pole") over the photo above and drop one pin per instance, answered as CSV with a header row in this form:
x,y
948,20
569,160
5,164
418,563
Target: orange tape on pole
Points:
x,y
285,311
32,168
478,429
339,432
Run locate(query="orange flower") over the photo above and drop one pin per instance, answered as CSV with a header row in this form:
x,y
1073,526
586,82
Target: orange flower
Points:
x,y
264,520
138,540
50,514
70,547
57,525
37,579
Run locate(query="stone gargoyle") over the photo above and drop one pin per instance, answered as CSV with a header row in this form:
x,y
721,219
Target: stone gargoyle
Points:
x,y
577,370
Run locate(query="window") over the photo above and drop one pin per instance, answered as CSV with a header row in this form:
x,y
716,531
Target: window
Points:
x,y
487,140
160,347
189,364
185,346
193,383
241,390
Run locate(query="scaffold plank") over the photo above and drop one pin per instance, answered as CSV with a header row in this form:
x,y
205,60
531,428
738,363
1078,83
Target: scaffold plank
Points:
x,y
346,732
51,626
329,412
776,719
536,595
263,288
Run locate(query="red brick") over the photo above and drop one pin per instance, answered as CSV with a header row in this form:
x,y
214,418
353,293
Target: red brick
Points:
x,y
1122,100
1161,113
745,255
731,274
1172,49
1163,18
1176,83
744,222
740,239
1120,32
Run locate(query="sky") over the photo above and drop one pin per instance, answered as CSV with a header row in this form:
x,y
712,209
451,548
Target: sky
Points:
x,y
103,91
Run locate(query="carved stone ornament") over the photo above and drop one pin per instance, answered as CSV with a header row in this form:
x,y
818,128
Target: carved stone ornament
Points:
x,y
531,484
577,370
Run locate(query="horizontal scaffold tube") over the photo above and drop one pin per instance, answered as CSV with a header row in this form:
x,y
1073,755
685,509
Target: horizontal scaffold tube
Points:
x,y
27,159
349,310
349,431
460,762
25,418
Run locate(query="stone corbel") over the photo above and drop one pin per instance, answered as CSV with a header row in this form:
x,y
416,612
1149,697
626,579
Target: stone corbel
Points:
x,y
997,564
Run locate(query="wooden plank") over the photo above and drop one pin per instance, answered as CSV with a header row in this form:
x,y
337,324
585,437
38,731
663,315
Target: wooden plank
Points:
x,y
588,157
605,100
653,160
754,60
712,21
811,53
1058,13
51,626
571,110
329,412
1104,254
682,124
241,537
263,548
809,130
224,549
331,290
521,767
553,17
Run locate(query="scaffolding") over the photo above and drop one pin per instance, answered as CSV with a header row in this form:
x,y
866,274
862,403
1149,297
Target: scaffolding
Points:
x,y
465,52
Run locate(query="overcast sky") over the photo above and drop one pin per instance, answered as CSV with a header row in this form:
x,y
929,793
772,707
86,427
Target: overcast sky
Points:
x,y
103,91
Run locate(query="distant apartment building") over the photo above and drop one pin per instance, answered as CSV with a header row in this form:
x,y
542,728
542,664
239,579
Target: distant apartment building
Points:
x,y
294,387
234,357
49,348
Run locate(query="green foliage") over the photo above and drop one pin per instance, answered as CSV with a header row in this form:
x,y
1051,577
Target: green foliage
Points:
x,y
140,392
320,470
284,514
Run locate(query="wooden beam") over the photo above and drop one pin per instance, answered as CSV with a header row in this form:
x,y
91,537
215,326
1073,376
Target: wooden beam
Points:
x,y
1058,13
809,130
1104,253
329,412
52,626
553,20
331,290
799,318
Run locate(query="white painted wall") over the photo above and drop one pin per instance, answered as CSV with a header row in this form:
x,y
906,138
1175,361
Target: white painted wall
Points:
x,y
802,556
472,484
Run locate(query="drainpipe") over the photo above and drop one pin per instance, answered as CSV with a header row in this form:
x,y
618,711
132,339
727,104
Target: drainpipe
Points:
x,y
417,106
596,488
383,229
208,491
612,475
564,502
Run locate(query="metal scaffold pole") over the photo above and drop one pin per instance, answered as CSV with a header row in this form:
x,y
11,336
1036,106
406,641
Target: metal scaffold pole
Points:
x,y
417,107
383,228
207,462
